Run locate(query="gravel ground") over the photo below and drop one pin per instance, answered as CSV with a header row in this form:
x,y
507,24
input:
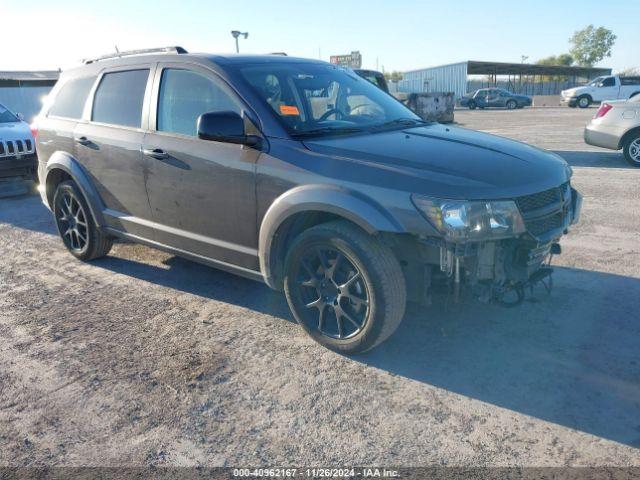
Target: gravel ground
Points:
x,y
143,358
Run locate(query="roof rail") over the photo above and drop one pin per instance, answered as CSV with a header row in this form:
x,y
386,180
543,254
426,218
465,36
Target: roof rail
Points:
x,y
136,52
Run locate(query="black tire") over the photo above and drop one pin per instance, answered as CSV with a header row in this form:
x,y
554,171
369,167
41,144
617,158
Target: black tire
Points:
x,y
76,225
472,105
512,105
631,149
584,101
352,319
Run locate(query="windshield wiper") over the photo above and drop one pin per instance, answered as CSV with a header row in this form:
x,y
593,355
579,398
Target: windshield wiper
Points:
x,y
327,130
403,122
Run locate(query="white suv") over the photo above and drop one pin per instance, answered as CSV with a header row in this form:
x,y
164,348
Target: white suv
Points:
x,y
17,147
601,89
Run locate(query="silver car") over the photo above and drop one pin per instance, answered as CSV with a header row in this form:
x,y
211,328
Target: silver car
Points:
x,y
616,126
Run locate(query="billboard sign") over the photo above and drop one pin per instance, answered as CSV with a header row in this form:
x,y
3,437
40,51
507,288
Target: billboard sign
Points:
x,y
352,60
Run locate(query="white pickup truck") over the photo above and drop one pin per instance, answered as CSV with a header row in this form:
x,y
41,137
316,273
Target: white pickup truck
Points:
x,y
600,89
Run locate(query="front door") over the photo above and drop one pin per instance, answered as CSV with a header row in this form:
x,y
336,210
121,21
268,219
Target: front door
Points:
x,y
108,146
202,193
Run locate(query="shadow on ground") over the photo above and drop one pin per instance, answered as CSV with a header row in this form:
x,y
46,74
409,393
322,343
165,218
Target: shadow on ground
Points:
x,y
604,159
572,358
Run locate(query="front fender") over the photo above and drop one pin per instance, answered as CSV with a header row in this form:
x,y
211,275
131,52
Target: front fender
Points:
x,y
353,206
65,162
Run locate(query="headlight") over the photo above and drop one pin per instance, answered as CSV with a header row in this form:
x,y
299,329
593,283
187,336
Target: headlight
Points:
x,y
460,220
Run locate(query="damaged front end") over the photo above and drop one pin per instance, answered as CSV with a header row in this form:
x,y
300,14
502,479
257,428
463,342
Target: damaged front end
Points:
x,y
500,248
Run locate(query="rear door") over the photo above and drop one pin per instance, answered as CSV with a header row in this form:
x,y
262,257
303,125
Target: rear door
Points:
x,y
202,193
109,146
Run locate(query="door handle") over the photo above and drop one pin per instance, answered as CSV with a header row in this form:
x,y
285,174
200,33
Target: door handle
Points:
x,y
82,140
155,153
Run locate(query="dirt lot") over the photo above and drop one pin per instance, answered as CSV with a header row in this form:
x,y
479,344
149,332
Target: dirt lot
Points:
x,y
143,358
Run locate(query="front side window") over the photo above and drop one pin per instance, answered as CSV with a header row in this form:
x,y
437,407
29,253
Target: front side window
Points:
x,y
119,98
69,103
315,98
185,95
6,116
609,82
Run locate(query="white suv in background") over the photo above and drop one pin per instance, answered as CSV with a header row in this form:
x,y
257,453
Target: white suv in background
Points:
x,y
17,147
601,89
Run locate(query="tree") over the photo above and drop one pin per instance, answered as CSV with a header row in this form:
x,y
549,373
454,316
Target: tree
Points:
x,y
393,76
630,72
562,59
591,44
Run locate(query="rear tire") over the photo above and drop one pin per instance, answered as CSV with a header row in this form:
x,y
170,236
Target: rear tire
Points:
x,y
631,149
512,105
345,288
584,101
76,225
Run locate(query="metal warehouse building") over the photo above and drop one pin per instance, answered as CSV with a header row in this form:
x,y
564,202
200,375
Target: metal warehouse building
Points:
x,y
525,78
23,92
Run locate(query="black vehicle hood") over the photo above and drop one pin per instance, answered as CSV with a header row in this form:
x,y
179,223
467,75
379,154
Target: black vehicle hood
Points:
x,y
445,161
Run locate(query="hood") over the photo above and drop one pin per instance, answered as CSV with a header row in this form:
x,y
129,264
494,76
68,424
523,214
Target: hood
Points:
x,y
15,131
575,90
448,162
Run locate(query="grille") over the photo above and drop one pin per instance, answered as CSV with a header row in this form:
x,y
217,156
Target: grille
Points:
x,y
539,200
543,225
545,211
15,147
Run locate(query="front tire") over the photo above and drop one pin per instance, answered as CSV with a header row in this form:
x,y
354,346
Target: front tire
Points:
x,y
472,105
345,288
76,225
584,101
631,149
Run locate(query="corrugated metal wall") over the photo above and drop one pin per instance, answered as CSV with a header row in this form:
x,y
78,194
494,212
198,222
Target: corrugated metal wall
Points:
x,y
447,78
26,100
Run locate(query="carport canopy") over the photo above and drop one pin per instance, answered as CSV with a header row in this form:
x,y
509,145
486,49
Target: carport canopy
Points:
x,y
499,68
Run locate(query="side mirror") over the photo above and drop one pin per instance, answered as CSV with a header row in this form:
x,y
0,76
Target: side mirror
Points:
x,y
227,127
20,116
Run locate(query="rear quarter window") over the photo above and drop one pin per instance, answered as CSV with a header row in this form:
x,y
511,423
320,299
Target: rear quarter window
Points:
x,y
630,80
119,98
69,103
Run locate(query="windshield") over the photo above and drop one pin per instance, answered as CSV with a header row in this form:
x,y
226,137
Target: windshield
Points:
x,y
6,116
317,99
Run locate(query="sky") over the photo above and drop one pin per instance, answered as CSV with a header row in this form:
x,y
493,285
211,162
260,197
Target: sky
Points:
x,y
391,35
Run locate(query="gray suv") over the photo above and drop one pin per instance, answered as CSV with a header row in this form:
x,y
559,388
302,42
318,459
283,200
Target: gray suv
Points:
x,y
299,174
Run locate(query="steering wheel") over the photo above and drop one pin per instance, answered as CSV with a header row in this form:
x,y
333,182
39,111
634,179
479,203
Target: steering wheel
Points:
x,y
333,111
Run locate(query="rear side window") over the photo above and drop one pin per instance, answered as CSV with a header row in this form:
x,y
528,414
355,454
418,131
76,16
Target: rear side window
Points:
x,y
185,95
69,102
119,98
630,80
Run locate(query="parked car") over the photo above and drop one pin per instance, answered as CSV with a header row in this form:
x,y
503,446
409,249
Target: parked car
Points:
x,y
299,174
494,97
616,126
599,89
17,148
375,77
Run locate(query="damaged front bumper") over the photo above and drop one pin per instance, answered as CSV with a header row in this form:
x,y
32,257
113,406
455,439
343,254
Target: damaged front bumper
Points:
x,y
499,270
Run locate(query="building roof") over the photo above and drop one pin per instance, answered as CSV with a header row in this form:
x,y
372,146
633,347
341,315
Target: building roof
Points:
x,y
35,75
503,68
500,68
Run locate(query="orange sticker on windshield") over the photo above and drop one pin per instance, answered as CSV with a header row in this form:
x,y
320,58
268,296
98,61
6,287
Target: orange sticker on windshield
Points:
x,y
289,110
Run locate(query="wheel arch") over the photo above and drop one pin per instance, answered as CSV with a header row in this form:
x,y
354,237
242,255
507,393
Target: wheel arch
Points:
x,y
307,206
630,133
60,167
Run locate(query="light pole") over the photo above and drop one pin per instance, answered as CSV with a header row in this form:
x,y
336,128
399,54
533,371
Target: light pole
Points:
x,y
236,34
